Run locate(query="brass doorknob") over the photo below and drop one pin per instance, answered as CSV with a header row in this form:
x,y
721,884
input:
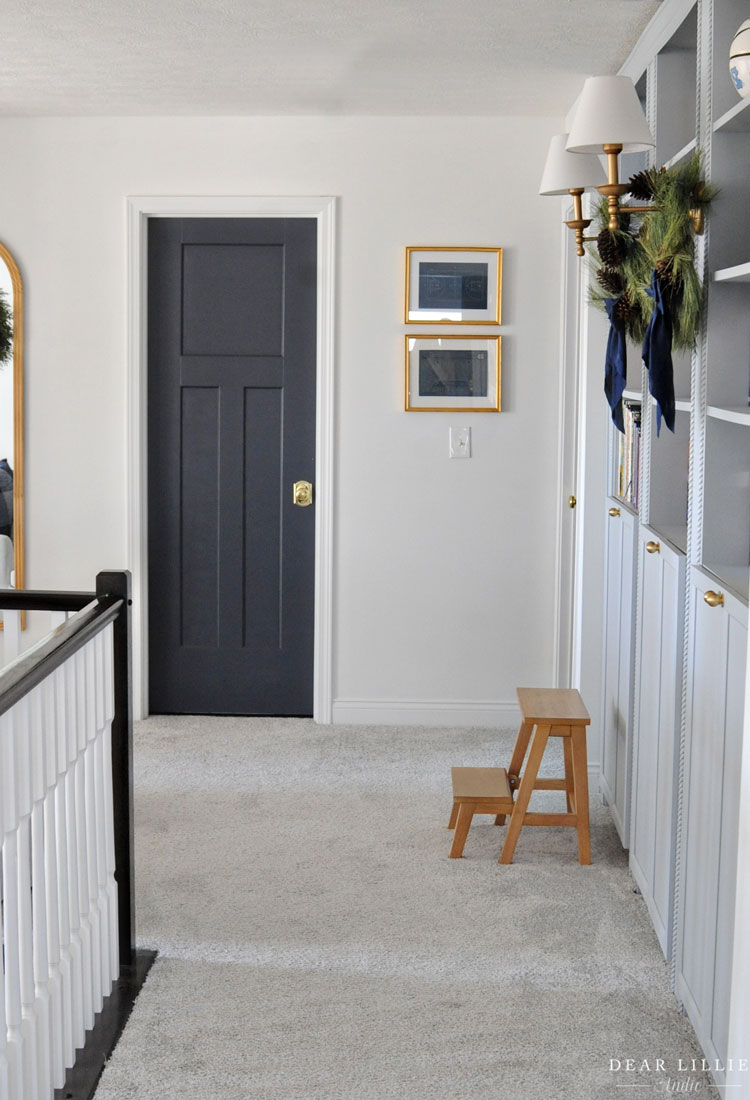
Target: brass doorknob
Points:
x,y
653,547
303,494
614,511
572,502
714,599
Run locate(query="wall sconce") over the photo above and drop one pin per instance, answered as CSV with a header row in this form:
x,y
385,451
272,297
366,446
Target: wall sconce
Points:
x,y
610,120
571,173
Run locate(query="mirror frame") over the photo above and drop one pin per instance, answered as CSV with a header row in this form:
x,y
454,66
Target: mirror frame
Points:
x,y
18,420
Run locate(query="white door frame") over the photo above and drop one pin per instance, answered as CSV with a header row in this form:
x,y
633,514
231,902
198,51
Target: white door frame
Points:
x,y
139,209
567,628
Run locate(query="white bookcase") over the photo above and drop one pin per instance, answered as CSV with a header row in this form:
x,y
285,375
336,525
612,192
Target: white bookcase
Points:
x,y
691,568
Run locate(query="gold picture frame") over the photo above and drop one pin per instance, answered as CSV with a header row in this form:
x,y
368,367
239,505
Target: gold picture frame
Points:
x,y
453,286
453,373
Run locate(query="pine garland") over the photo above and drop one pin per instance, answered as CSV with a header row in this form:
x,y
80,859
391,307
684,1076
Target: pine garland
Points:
x,y
6,329
665,242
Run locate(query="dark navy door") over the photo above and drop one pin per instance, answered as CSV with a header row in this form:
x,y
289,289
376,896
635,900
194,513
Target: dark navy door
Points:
x,y
231,429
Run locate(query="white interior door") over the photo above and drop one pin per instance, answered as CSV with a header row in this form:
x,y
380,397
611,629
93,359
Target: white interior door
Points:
x,y
569,624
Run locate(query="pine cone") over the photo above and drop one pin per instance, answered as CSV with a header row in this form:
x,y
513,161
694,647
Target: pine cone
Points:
x,y
625,308
610,281
665,271
641,185
610,250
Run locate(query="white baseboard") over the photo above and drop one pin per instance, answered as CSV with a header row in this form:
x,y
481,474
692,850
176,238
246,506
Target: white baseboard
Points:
x,y
417,712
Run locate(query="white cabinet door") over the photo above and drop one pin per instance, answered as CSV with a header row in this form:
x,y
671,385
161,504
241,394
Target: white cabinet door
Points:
x,y
659,660
618,667
708,864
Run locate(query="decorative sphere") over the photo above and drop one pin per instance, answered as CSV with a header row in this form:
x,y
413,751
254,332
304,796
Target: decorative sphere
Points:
x,y
739,59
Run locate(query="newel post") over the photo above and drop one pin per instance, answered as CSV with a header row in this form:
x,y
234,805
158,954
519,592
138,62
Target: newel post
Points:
x,y
114,586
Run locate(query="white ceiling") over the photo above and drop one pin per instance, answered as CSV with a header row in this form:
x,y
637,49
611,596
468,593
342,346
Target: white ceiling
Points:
x,y
287,57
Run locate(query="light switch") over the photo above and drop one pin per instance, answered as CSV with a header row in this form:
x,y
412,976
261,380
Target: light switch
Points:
x,y
459,442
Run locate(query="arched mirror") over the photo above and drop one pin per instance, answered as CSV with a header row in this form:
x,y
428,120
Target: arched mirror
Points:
x,y
11,423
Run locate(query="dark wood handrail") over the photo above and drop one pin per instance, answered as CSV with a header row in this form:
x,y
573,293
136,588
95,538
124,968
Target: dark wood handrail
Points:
x,y
25,599
37,663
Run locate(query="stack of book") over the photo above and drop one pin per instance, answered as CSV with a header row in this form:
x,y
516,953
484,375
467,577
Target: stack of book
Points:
x,y
629,457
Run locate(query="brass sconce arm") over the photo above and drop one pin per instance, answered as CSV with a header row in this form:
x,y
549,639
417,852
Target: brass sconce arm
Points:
x,y
578,223
613,190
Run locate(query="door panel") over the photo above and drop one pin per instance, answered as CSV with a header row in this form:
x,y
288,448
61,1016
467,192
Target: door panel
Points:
x,y
715,722
618,670
232,360
655,761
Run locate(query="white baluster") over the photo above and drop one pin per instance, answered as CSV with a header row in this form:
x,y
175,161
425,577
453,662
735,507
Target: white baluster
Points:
x,y
88,656
26,944
39,898
81,887
63,880
13,1050
26,961
109,816
78,947
81,736
49,715
91,884
12,974
4,1078
71,998
102,895
97,652
102,891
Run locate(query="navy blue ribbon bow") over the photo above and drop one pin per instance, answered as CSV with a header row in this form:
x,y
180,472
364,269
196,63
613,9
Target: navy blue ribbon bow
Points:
x,y
657,355
615,364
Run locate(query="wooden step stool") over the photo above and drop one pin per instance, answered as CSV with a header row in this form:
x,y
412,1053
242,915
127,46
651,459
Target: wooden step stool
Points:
x,y
545,713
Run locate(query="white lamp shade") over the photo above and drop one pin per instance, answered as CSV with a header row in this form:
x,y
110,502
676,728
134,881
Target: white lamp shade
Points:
x,y
564,171
609,113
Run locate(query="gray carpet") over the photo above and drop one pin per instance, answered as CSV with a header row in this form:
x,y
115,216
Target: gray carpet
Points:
x,y
316,943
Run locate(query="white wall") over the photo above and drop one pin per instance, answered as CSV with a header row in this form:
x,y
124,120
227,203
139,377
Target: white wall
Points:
x,y
444,571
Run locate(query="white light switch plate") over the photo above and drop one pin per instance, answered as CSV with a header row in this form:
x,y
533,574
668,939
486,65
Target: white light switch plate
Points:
x,y
459,442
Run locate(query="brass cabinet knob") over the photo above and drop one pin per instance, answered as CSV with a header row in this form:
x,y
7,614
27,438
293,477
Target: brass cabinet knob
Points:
x,y
653,547
303,494
572,502
714,599
614,511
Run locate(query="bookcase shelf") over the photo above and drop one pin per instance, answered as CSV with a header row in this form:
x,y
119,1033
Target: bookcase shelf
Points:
x,y
736,577
682,154
735,120
676,534
740,414
740,273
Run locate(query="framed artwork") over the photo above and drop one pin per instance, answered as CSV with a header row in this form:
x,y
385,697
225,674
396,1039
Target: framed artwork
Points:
x,y
453,286
452,373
